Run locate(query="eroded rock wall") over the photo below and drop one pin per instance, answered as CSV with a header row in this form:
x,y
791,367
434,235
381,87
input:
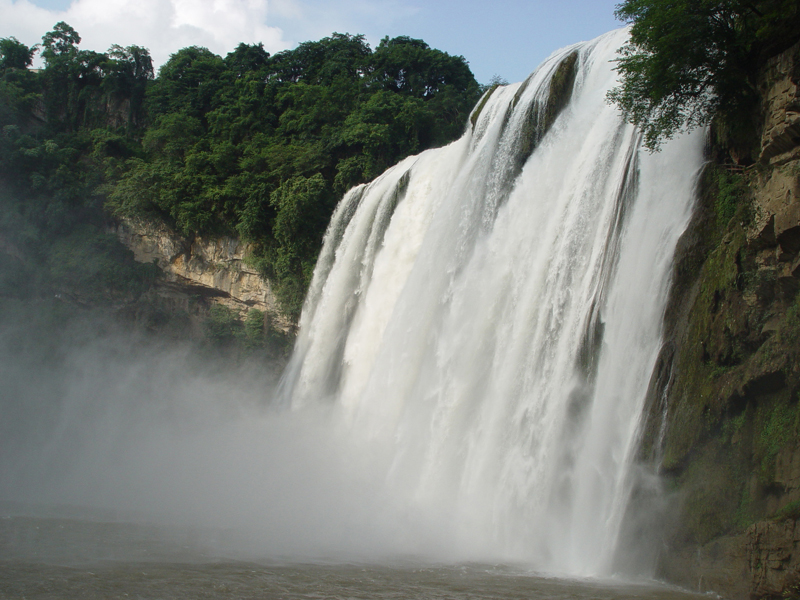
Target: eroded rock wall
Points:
x,y
215,268
724,423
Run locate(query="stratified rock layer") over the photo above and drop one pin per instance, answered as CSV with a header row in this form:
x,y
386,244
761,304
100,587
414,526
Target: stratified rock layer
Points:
x,y
214,267
724,423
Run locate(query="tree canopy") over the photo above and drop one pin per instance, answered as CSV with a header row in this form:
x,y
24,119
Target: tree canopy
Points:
x,y
688,61
251,144
14,54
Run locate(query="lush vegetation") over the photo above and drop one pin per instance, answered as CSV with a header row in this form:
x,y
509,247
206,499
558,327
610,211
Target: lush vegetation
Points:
x,y
251,144
691,61
53,233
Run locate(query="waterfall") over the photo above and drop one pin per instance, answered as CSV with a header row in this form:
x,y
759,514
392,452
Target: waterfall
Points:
x,y
487,316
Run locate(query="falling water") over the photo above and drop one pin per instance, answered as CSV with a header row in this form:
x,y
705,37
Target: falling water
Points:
x,y
488,314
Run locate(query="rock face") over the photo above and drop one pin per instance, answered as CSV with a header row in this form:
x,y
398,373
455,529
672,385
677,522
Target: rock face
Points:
x,y
781,133
724,423
772,549
211,267
778,198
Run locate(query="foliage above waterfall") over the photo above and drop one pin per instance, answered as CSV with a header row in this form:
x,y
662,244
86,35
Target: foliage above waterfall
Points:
x,y
252,144
688,61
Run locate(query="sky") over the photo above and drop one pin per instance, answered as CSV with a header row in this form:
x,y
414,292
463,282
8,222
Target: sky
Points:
x,y
507,39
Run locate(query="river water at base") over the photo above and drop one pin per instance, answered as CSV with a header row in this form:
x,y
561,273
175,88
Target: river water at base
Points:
x,y
78,557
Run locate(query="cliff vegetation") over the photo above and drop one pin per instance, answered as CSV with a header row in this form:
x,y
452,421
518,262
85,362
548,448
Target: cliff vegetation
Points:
x,y
250,146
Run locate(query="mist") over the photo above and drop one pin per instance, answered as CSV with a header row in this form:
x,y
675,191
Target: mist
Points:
x,y
105,422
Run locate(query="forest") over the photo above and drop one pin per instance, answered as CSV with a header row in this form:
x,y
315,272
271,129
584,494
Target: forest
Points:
x,y
253,145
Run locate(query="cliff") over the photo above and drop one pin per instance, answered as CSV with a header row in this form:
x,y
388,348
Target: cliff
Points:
x,y
723,422
213,268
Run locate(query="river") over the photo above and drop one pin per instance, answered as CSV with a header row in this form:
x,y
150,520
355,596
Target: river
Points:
x,y
43,557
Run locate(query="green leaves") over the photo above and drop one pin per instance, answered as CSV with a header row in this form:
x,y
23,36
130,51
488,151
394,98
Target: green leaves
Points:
x,y
689,61
300,202
14,54
379,132
190,82
252,145
303,206
60,43
264,145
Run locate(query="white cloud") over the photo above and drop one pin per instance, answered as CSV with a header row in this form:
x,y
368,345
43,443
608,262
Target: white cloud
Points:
x,y
166,26
163,26
25,21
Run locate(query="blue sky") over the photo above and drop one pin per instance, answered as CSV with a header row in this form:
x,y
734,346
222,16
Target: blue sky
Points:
x,y
508,39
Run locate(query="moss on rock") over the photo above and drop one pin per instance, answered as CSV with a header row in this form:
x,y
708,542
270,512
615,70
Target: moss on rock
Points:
x,y
540,117
473,118
561,85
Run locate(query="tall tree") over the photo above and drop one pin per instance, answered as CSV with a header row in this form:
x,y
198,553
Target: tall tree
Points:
x,y
60,43
127,73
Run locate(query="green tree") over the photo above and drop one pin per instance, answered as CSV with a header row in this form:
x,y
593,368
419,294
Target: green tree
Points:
x,y
410,67
190,81
340,56
60,43
14,54
303,206
126,75
247,58
19,87
72,79
688,61
382,130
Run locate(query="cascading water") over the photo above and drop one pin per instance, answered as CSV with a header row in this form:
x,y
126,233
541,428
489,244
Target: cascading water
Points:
x,y
489,313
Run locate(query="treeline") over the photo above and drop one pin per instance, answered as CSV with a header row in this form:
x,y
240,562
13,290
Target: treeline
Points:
x,y
251,144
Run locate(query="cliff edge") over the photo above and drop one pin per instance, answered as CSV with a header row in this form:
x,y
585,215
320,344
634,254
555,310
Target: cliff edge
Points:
x,y
723,423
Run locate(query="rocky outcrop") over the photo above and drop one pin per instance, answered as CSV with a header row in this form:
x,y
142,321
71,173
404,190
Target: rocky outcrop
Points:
x,y
724,425
773,561
779,90
720,567
214,268
777,200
